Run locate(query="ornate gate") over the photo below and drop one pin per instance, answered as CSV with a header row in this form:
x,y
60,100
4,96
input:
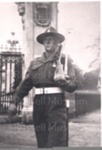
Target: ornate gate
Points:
x,y
10,77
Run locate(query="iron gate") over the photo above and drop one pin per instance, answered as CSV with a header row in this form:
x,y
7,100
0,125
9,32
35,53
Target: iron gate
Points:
x,y
10,77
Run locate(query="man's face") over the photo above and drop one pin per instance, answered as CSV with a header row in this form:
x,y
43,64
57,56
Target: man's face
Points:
x,y
50,43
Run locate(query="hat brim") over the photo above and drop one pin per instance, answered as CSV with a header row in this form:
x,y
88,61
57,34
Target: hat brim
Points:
x,y
59,36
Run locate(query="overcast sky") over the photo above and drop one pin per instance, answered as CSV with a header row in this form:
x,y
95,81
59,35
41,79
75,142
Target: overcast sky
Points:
x,y
10,21
82,19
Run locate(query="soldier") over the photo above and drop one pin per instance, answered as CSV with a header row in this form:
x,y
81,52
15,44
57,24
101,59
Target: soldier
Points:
x,y
47,76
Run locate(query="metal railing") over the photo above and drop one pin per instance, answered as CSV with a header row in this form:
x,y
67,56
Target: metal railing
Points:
x,y
10,77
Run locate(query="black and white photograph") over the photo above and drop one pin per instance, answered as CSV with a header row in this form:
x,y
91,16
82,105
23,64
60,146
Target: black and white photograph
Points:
x,y
50,74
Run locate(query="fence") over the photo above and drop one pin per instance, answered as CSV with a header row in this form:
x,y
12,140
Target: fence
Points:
x,y
10,77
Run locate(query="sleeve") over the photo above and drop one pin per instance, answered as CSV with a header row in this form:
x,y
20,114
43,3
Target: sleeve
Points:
x,y
23,88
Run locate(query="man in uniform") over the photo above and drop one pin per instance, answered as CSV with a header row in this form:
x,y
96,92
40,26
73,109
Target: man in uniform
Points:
x,y
46,74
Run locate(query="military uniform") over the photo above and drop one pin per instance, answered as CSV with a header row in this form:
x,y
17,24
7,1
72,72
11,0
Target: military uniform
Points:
x,y
49,107
49,113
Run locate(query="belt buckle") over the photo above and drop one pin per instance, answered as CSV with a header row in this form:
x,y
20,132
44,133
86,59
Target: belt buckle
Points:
x,y
45,90
42,90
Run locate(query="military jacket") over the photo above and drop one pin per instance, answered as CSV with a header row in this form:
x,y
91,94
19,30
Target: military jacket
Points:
x,y
41,74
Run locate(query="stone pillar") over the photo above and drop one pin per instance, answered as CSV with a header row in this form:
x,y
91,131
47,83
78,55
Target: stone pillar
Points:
x,y
26,12
54,21
28,50
36,18
28,46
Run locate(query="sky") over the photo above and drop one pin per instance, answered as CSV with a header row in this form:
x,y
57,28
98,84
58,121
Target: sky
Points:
x,y
81,19
10,22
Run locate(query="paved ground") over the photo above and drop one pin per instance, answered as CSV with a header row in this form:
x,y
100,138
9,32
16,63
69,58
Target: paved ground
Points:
x,y
84,131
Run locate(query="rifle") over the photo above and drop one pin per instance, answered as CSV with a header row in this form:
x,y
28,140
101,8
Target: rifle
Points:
x,y
61,74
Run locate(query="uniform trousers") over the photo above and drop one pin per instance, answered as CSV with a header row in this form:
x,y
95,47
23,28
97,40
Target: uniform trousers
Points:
x,y
50,120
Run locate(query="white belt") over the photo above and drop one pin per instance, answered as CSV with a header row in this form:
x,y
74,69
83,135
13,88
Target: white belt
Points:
x,y
48,90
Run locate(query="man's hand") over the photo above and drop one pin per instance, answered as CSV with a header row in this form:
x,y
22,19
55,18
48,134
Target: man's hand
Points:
x,y
12,110
61,82
67,77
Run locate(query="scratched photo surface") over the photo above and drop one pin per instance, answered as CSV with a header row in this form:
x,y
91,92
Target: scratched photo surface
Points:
x,y
50,74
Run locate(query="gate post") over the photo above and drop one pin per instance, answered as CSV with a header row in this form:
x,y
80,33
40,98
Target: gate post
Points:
x,y
34,21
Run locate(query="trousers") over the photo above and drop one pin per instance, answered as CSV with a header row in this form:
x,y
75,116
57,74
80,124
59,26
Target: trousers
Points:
x,y
50,120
